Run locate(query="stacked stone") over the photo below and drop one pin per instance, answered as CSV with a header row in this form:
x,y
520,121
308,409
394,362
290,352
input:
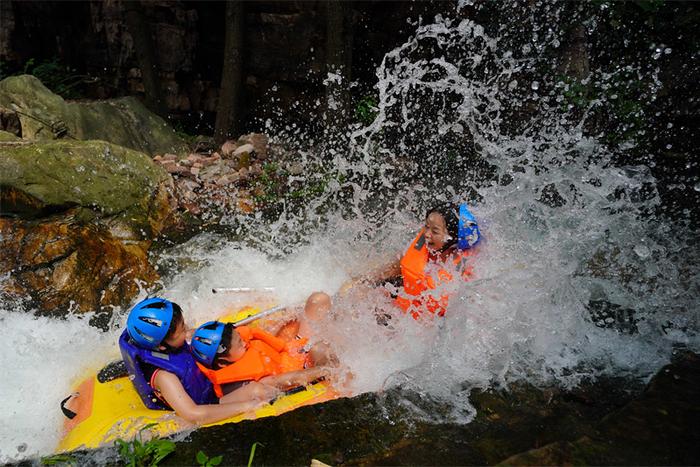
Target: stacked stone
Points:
x,y
208,181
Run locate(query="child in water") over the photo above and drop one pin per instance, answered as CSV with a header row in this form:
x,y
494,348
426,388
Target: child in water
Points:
x,y
164,371
252,362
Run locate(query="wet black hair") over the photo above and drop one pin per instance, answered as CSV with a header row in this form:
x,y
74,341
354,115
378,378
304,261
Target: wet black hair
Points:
x,y
177,319
450,213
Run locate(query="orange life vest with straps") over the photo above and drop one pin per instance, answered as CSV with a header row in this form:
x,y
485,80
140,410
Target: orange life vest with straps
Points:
x,y
417,282
265,355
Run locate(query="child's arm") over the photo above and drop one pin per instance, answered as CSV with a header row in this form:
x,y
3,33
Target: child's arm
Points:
x,y
295,378
289,331
382,274
175,395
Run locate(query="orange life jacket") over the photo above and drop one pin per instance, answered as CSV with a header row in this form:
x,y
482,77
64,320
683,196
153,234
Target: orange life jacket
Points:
x,y
265,355
417,283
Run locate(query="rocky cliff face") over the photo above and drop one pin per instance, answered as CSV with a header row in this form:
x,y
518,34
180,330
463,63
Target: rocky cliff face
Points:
x,y
284,44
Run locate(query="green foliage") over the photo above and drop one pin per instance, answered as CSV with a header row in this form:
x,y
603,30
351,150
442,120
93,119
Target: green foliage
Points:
x,y
59,459
366,110
575,92
59,78
137,453
252,452
272,185
180,130
206,461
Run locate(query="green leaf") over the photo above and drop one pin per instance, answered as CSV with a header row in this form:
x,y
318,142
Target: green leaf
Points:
x,y
216,460
202,458
252,452
58,459
147,426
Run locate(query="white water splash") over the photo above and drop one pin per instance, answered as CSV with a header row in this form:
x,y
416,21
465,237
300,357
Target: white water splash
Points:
x,y
561,292
41,359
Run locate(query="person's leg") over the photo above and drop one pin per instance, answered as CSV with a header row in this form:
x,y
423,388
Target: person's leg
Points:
x,y
317,305
322,355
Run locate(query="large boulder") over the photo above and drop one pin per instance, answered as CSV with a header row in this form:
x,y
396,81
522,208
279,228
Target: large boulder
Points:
x,y
77,220
124,121
124,188
65,264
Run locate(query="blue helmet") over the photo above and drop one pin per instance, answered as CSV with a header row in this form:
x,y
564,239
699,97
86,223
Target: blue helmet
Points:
x,y
468,233
206,342
149,321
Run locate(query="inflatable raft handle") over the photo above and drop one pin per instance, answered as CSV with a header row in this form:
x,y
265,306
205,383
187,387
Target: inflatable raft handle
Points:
x,y
257,316
70,415
297,389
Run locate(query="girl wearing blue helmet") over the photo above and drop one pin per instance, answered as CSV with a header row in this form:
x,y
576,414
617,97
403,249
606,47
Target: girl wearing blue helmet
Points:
x,y
163,369
439,251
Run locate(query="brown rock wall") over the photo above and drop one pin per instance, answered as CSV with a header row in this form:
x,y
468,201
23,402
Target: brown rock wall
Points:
x,y
63,264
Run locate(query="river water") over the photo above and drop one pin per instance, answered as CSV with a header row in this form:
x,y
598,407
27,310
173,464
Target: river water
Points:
x,y
583,271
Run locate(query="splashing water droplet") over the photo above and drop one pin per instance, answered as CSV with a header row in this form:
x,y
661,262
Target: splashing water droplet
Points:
x,y
642,251
535,85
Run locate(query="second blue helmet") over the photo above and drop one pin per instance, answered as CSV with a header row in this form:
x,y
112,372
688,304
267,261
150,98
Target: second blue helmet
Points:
x,y
206,342
468,232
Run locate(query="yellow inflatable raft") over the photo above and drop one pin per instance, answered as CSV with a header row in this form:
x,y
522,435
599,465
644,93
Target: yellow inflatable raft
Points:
x,y
107,408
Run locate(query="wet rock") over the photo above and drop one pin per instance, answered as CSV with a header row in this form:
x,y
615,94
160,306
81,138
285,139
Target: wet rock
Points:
x,y
228,179
169,166
211,172
295,168
124,121
255,170
228,148
66,263
205,145
245,204
658,428
259,142
9,122
187,184
115,182
245,149
80,216
7,136
201,160
243,173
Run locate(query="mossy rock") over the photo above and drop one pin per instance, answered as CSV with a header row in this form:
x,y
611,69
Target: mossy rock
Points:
x,y
124,121
113,182
7,136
